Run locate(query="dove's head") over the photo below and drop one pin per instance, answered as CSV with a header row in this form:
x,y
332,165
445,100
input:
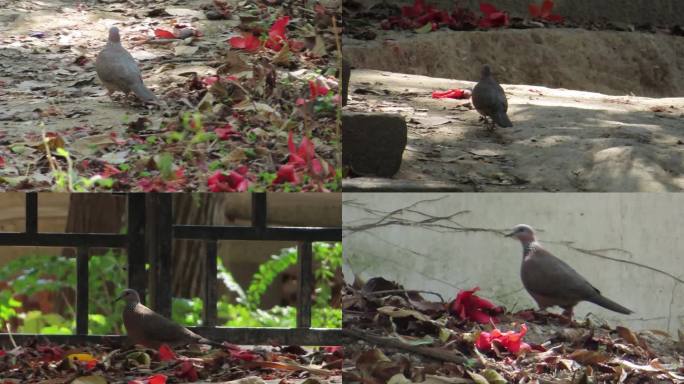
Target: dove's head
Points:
x,y
130,296
486,71
114,35
522,232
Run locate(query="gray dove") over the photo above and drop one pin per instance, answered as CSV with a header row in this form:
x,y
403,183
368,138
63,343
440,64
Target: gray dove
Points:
x,y
118,71
489,99
145,326
550,281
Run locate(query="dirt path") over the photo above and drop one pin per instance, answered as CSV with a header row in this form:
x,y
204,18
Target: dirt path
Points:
x,y
562,140
49,84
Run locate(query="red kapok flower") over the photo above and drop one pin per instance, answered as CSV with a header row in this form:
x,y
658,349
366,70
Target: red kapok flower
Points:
x,y
226,132
544,12
317,88
276,35
186,370
510,340
248,42
469,306
302,155
164,34
166,353
492,16
451,94
235,181
286,174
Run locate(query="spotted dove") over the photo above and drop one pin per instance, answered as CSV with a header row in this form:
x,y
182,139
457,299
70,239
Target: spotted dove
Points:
x,y
118,71
550,281
146,327
489,99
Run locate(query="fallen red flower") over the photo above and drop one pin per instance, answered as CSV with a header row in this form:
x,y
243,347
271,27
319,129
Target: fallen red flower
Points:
x,y
210,80
544,12
248,42
510,340
302,155
451,94
469,306
317,88
235,181
158,184
164,34
157,379
166,353
286,174
493,18
276,35
226,132
186,370
50,353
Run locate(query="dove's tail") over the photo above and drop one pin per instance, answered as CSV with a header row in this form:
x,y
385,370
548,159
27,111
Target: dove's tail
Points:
x,y
609,304
502,119
143,93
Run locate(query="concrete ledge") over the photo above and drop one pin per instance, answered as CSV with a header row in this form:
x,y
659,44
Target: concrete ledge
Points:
x,y
629,11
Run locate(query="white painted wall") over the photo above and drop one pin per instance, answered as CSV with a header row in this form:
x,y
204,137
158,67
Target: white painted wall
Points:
x,y
470,250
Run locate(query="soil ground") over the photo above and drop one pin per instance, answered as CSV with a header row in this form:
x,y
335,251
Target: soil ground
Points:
x,y
562,140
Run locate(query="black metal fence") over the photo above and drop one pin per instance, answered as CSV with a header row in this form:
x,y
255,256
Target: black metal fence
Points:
x,y
151,231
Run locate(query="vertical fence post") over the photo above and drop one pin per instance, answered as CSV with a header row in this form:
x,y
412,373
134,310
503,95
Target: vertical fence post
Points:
x,y
31,213
135,250
306,284
210,294
259,211
82,291
159,226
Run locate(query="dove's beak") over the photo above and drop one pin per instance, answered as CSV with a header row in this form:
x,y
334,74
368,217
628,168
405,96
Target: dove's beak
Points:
x,y
117,299
510,234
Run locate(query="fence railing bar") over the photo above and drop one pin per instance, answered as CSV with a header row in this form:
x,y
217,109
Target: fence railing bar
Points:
x,y
82,291
251,233
259,211
90,240
210,288
31,212
137,276
159,231
306,284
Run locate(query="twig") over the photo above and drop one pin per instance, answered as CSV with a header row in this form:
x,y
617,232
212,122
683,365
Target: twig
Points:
x,y
9,333
338,124
435,353
407,291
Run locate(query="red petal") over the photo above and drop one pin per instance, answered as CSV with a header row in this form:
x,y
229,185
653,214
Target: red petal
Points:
x,y
487,8
237,181
286,174
546,8
243,169
290,144
164,34
479,317
554,18
247,42
534,11
157,379
484,341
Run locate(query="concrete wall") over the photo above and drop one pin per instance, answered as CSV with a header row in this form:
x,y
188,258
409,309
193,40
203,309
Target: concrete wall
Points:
x,y
630,11
644,230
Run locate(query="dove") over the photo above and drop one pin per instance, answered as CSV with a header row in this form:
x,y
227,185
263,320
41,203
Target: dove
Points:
x,y
145,326
550,281
489,99
118,71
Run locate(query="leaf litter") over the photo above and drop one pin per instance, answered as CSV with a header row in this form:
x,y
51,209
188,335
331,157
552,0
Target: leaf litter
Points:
x,y
59,131
402,337
41,362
